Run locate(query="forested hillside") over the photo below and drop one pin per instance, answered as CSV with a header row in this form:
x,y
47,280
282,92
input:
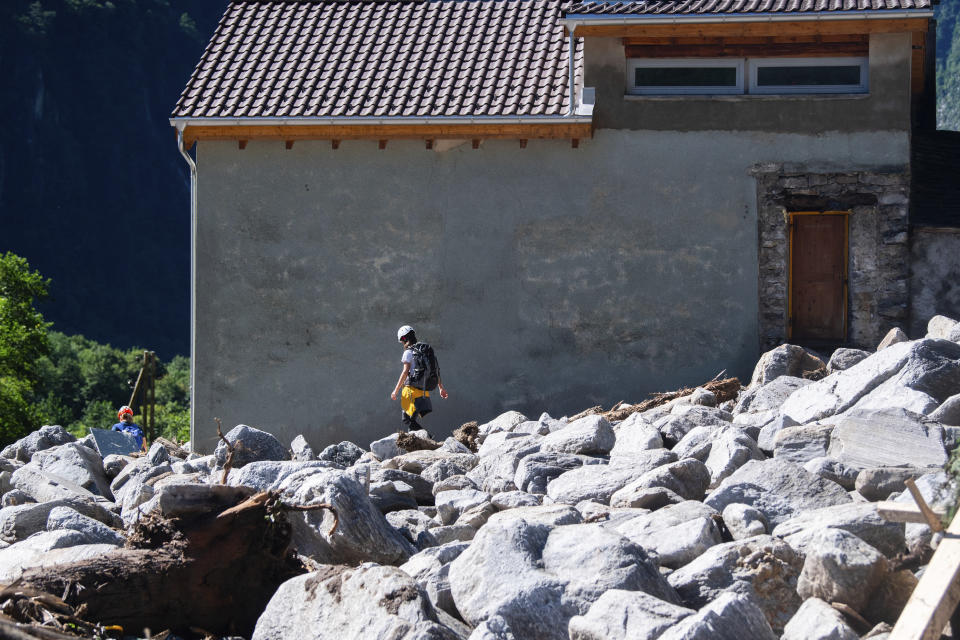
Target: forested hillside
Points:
x,y
92,190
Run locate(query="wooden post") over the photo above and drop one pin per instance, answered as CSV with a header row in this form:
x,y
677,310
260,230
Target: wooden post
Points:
x,y
937,594
150,397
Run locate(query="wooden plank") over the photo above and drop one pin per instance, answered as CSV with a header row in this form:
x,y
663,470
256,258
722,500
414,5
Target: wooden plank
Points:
x,y
937,594
796,50
932,520
903,512
749,29
386,132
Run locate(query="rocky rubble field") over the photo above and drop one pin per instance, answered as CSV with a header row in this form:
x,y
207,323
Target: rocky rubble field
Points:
x,y
751,518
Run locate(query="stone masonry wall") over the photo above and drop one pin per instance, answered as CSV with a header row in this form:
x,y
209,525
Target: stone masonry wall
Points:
x,y
879,257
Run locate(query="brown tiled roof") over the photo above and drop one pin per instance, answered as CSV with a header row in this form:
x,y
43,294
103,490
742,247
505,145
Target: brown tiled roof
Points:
x,y
383,59
726,7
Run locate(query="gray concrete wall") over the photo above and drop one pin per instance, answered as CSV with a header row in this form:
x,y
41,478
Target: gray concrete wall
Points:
x,y
548,278
935,277
885,107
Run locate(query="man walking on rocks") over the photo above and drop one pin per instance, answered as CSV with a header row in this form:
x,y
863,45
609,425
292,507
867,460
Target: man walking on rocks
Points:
x,y
420,376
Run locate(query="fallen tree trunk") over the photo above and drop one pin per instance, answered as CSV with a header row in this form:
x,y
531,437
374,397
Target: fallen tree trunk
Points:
x,y
210,573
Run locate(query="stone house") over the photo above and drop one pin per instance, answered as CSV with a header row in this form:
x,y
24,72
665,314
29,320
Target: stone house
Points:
x,y
575,204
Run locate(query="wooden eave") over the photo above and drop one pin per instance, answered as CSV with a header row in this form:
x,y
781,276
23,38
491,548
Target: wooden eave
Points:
x,y
760,28
512,131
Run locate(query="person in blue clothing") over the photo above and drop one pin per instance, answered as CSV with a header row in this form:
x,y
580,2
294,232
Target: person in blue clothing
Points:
x,y
126,424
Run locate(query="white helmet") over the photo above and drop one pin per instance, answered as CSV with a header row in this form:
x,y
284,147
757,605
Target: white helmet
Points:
x,y
404,330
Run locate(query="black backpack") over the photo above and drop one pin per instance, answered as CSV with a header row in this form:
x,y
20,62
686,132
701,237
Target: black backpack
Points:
x,y
424,372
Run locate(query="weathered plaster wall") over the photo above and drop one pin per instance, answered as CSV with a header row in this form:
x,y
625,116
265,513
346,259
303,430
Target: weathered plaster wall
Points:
x,y
885,107
548,278
934,277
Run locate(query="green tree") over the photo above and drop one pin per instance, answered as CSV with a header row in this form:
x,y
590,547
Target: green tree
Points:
x,y
23,341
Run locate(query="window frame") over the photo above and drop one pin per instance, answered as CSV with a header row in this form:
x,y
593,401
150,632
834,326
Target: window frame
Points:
x,y
736,63
754,65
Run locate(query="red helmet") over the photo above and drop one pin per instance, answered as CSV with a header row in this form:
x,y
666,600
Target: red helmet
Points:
x,y
124,410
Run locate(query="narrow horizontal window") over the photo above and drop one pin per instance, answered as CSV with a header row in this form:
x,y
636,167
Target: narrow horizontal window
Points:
x,y
685,76
808,75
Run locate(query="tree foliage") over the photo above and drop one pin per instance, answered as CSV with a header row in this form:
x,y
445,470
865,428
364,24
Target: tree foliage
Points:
x,y
47,377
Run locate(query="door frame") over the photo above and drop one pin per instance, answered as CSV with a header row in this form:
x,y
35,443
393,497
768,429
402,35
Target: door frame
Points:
x,y
791,215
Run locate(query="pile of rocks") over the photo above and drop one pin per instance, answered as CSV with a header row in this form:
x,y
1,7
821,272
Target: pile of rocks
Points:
x,y
753,519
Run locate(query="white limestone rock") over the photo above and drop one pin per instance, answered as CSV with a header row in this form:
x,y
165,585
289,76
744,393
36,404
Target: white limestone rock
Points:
x,y
495,471
46,550
76,463
18,522
803,443
93,531
833,470
626,615
536,577
817,620
929,366
887,438
785,360
767,437
504,422
450,504
940,327
254,444
301,451
764,568
840,567
45,437
843,358
948,413
335,602
43,486
675,534
591,435
729,617
743,521
859,518
386,447
730,450
894,336
769,396
688,478
599,482
777,488
635,434
514,499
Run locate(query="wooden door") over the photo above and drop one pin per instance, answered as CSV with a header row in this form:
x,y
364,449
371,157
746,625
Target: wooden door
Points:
x,y
818,276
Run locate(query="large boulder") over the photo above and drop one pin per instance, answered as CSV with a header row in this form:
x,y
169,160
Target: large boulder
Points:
x,y
731,449
496,469
537,576
842,359
818,620
688,478
94,531
929,366
504,422
803,443
729,617
840,567
940,327
362,534
19,522
777,488
635,434
769,396
338,602
675,534
535,471
764,568
44,438
267,475
43,486
592,435
250,445
887,438
626,615
599,482
76,463
785,360
859,518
